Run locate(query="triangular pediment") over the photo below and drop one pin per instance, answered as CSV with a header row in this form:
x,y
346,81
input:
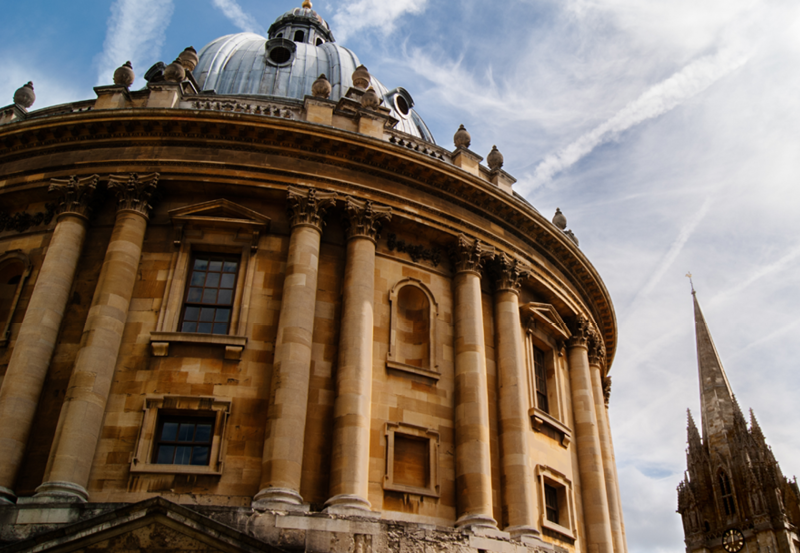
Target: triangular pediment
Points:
x,y
154,525
545,314
220,210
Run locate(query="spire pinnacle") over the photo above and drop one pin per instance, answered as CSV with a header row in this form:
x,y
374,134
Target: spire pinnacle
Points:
x,y
689,276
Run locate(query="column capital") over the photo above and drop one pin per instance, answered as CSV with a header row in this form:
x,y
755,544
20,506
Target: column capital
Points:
x,y
469,255
75,194
508,273
597,349
307,207
133,191
606,389
582,333
364,219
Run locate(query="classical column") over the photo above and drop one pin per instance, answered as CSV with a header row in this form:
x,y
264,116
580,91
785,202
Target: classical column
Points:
x,y
349,483
282,462
597,355
515,425
587,442
473,456
81,419
36,341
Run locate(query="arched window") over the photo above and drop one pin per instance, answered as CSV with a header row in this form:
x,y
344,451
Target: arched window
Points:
x,y
299,36
727,494
14,270
413,325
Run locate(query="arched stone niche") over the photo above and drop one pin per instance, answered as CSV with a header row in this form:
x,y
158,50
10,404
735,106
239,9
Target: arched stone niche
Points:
x,y
15,267
412,336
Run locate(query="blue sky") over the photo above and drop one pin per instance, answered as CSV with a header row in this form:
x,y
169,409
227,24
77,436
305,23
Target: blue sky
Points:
x,y
667,132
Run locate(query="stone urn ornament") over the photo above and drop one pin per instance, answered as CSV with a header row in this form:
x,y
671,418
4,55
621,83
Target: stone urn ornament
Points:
x,y
321,87
188,58
24,95
494,159
559,219
370,99
175,72
124,75
462,138
361,77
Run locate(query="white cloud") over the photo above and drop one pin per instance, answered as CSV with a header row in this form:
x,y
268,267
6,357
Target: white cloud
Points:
x,y
359,15
233,11
135,33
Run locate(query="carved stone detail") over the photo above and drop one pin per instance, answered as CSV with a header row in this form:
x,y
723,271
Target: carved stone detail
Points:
x,y
308,207
508,273
75,194
597,349
606,389
415,252
469,255
22,221
582,334
133,192
364,219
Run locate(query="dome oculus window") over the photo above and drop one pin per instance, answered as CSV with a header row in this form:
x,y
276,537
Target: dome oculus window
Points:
x,y
280,51
402,101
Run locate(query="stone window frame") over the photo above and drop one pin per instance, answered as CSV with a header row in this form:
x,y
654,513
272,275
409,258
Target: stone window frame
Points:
x,y
10,257
414,431
174,405
730,504
566,503
201,229
546,331
392,361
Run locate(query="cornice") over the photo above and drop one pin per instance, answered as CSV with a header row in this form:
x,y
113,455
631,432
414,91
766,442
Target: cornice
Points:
x,y
311,142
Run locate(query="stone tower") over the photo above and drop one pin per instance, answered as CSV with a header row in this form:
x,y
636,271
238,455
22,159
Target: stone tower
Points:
x,y
734,496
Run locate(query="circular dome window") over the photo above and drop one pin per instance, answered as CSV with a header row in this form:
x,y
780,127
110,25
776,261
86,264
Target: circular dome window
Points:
x,y
402,101
280,51
401,104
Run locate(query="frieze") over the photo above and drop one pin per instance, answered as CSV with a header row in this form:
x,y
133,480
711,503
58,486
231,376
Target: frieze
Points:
x,y
269,110
22,221
415,252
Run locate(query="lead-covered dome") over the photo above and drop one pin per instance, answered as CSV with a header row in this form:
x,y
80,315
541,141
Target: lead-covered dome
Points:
x,y
300,47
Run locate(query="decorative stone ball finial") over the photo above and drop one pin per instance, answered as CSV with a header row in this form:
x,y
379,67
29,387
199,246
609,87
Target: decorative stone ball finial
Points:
x,y
462,138
559,220
124,76
307,4
361,77
24,95
494,159
175,72
188,58
370,99
321,87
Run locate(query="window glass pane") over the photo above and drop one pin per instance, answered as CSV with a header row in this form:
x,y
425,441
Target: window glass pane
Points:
x,y
225,297
207,314
200,264
228,280
203,433
215,266
212,281
189,327
194,295
200,455
209,295
220,328
198,278
191,313
169,431
183,455
222,315
230,267
186,433
204,328
165,453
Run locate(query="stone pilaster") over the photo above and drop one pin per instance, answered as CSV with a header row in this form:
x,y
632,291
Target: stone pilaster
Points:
x,y
282,462
81,419
37,337
349,482
517,474
597,356
473,456
587,442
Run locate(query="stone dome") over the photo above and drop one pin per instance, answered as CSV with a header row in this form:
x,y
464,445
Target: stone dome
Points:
x,y
300,47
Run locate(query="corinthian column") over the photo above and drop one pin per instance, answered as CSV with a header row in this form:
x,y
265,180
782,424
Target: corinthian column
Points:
x,y
37,337
473,456
517,475
597,355
81,419
349,484
282,462
587,442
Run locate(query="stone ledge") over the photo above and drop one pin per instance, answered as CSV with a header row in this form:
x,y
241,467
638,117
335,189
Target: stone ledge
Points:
x,y
539,419
234,345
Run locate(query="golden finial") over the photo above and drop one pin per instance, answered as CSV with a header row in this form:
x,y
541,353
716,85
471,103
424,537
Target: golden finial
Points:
x,y
689,276
307,4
